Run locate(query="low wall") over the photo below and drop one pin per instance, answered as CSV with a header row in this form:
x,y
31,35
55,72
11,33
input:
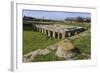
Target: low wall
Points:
x,y
57,34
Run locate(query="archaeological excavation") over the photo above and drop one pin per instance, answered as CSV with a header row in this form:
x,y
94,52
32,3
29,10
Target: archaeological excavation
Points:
x,y
56,36
64,49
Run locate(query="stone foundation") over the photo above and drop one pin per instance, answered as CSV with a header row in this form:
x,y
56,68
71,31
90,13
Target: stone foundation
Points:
x,y
58,32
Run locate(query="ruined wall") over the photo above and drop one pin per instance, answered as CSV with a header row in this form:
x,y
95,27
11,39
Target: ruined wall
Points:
x,y
57,33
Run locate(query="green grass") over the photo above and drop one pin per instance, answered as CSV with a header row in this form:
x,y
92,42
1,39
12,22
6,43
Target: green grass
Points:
x,y
36,40
49,57
85,25
84,44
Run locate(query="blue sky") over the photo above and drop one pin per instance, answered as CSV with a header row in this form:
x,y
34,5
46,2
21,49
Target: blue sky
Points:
x,y
54,15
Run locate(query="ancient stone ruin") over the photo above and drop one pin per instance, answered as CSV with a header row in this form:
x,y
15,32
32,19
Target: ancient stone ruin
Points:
x,y
64,48
58,31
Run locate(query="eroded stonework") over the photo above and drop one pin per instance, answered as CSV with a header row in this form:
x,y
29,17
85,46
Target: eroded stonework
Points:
x,y
57,30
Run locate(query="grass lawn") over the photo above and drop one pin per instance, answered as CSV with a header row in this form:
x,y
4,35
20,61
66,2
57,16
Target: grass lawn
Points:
x,y
84,44
85,25
49,57
36,40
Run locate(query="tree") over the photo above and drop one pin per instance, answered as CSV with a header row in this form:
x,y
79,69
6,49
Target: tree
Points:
x,y
80,19
88,20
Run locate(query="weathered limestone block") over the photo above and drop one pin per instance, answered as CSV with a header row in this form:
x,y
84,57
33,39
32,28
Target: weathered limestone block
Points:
x,y
44,31
59,35
54,34
63,35
53,47
49,33
66,49
61,53
44,52
69,34
30,56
